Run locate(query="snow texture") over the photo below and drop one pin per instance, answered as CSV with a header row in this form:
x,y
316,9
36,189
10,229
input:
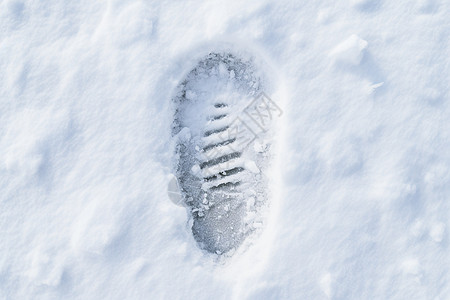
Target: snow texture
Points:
x,y
349,51
360,178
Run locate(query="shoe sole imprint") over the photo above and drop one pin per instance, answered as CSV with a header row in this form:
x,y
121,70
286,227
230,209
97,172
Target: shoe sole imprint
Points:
x,y
222,150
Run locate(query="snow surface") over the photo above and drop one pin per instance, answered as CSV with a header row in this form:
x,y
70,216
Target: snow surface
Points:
x,y
363,169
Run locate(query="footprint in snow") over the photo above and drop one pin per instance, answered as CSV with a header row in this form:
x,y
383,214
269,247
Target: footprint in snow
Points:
x,y
222,127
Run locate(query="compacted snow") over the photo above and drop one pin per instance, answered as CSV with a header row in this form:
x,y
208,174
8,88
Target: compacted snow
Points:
x,y
359,182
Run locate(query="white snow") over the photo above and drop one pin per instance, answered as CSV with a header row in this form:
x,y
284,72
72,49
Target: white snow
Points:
x,y
437,232
349,51
360,185
251,166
